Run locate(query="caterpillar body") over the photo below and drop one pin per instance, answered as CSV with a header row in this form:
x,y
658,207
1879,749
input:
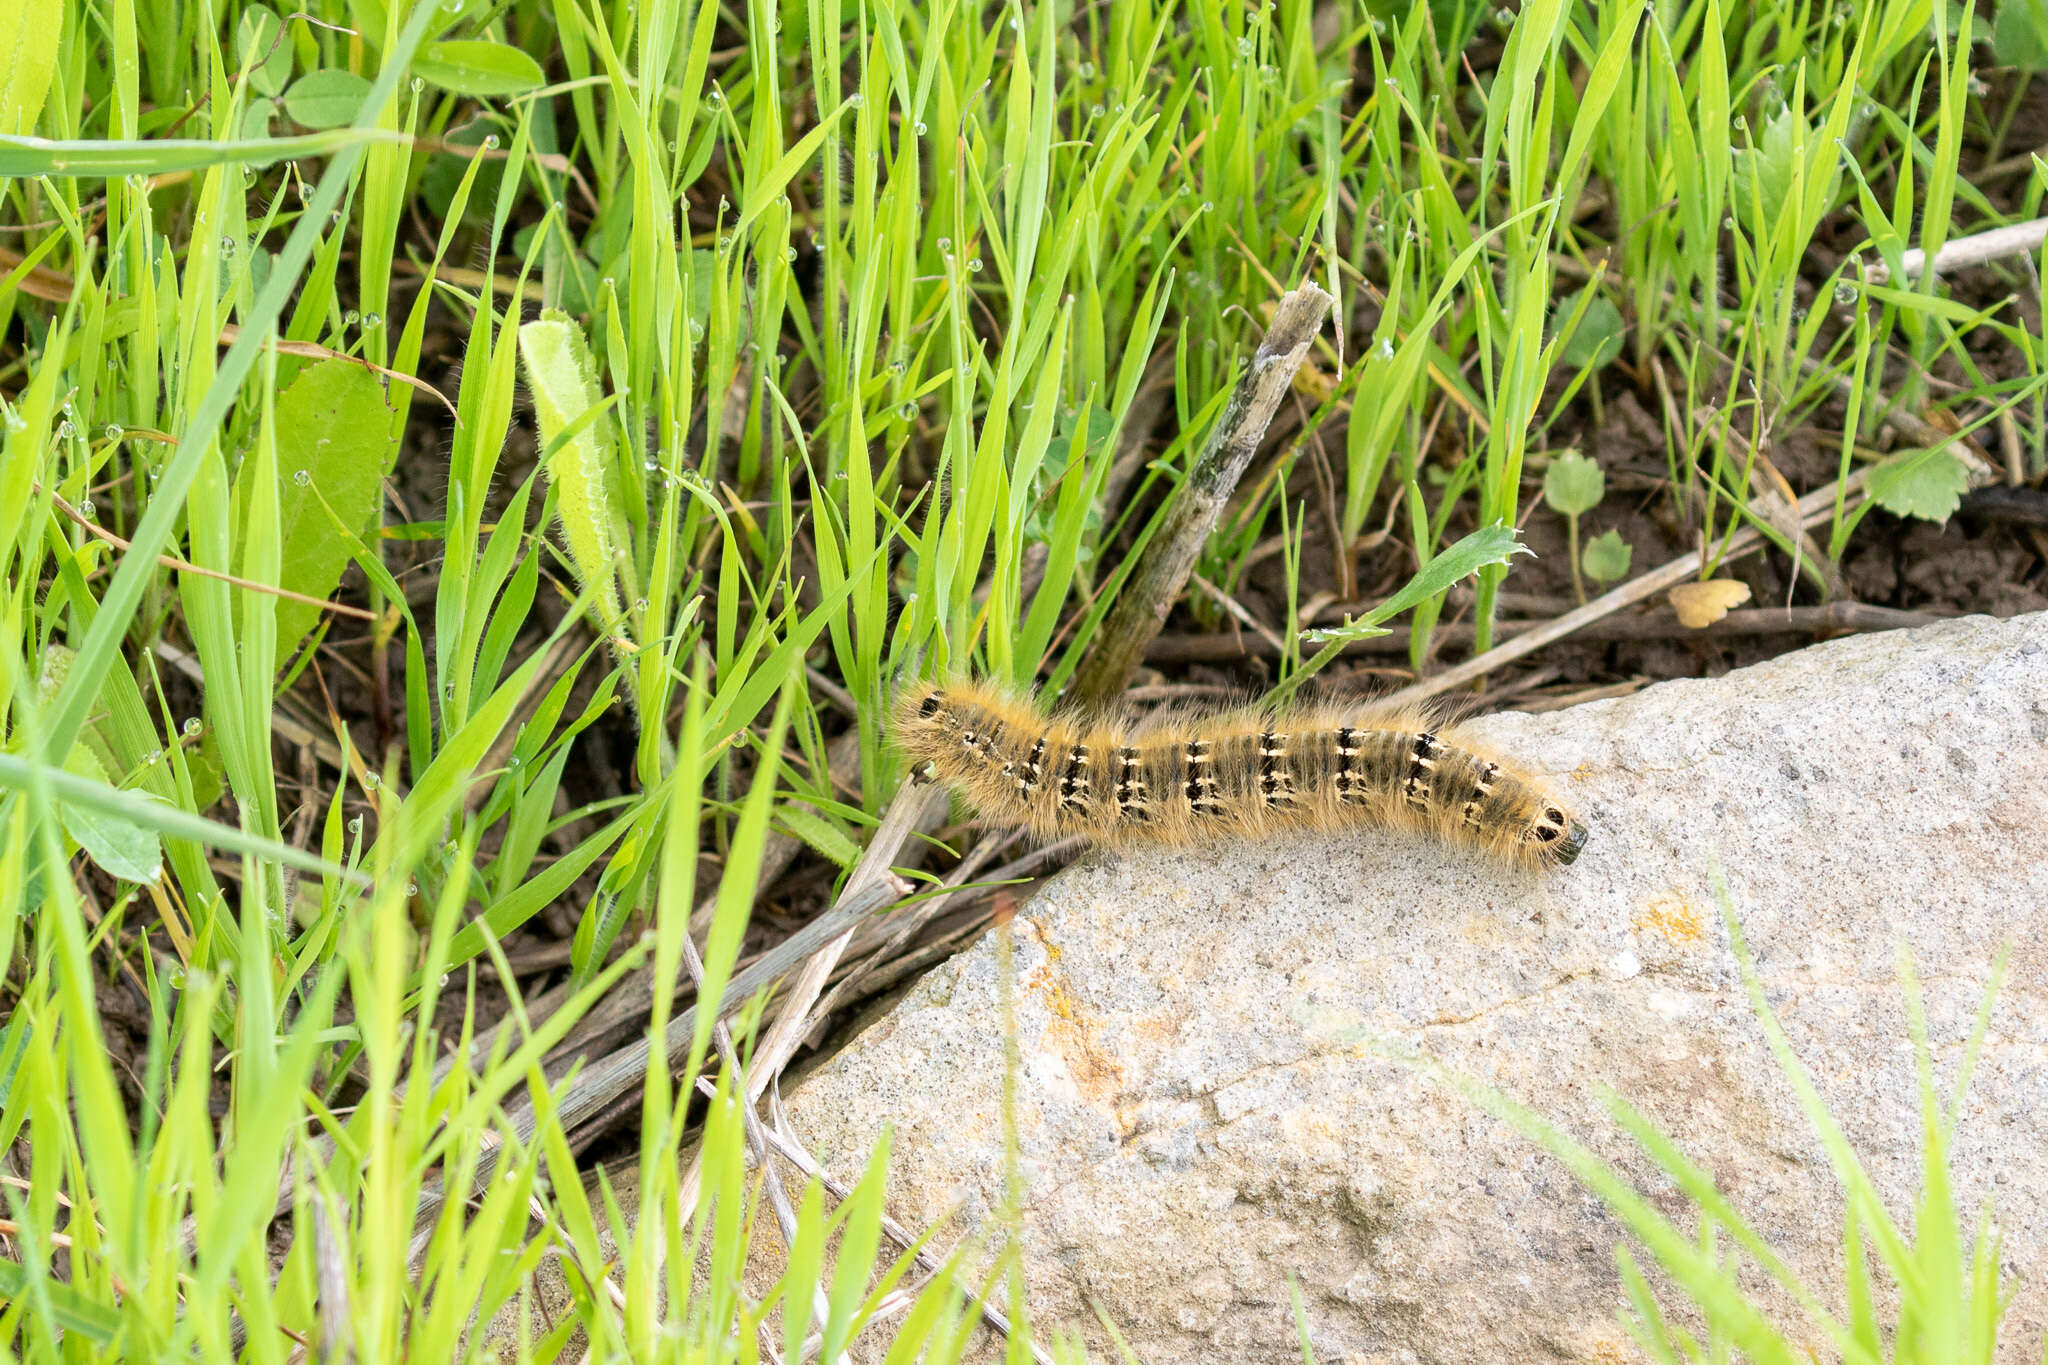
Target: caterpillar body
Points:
x,y
1178,778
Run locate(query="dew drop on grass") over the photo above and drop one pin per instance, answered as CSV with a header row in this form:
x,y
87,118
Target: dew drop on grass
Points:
x,y
974,264
351,318
87,510
355,825
1385,350
908,412
856,100
371,782
1244,47
1741,123
227,246
945,246
418,85
115,431
789,253
192,725
921,130
372,320
1845,292
490,142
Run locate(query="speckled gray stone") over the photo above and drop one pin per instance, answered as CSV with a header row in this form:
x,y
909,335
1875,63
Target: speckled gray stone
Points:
x,y
1207,1105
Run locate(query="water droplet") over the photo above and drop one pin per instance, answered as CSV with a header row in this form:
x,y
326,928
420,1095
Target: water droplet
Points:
x,y
974,264
192,725
1385,350
639,604
303,477
371,782
1208,206
372,321
1244,47
908,412
920,128
87,510
355,825
227,246
856,100
945,246
412,888
1845,292
418,85
1095,111
351,318
490,142
1741,123
789,253
115,431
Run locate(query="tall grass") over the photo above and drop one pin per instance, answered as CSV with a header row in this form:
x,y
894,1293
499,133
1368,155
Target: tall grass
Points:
x,y
831,320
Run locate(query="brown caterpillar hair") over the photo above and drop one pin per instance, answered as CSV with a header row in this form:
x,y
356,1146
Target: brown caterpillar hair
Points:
x,y
1179,777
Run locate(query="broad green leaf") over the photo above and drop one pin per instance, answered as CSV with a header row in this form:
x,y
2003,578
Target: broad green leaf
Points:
x,y
1764,172
19,774
1606,557
1488,545
1573,485
2019,34
327,98
1596,341
28,55
573,425
1928,484
820,833
334,447
123,849
478,68
260,39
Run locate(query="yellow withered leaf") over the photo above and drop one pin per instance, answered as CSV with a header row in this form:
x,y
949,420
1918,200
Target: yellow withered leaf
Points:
x,y
1701,604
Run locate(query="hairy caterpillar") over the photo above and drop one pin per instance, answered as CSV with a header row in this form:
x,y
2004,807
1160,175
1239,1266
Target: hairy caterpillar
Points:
x,y
1180,777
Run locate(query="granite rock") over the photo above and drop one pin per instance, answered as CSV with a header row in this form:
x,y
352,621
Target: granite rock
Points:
x,y
1209,1104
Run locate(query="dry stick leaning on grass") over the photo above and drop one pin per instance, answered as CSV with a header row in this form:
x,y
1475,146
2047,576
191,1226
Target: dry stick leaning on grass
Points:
x,y
1163,570
1659,624
1814,508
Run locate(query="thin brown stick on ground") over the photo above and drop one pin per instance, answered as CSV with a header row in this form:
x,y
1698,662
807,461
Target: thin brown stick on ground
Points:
x,y
1169,558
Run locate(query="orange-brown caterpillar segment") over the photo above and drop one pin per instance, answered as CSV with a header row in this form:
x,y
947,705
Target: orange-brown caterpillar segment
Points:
x,y
1179,778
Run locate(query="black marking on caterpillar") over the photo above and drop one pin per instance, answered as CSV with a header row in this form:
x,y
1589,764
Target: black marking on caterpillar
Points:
x,y
1252,772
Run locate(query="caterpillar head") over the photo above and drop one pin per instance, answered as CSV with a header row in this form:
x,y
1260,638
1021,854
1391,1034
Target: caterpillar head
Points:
x,y
1557,837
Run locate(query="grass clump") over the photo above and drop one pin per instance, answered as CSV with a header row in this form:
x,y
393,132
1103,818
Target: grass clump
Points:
x,y
361,788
